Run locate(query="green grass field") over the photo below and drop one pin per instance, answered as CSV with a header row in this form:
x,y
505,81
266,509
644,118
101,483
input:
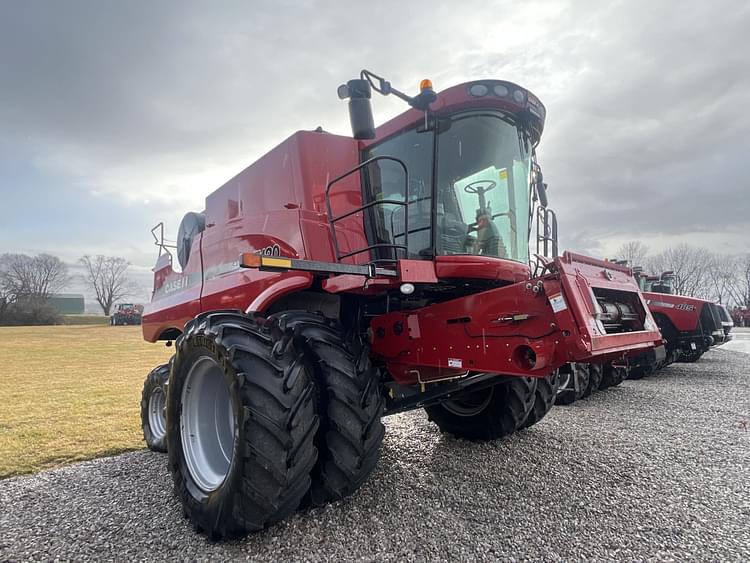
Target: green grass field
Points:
x,y
85,320
69,393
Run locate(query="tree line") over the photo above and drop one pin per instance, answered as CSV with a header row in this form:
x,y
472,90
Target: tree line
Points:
x,y
698,272
27,283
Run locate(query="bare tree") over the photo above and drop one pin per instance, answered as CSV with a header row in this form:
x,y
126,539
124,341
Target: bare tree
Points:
x,y
26,282
107,277
723,276
634,252
690,265
31,277
739,289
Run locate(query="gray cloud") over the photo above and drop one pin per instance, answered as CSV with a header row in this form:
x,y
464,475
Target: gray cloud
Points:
x,y
124,113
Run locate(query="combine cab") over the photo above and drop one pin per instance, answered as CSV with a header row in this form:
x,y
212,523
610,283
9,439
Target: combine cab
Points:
x,y
126,314
340,279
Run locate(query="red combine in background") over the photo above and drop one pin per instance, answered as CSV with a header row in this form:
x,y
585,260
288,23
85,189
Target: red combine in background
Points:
x,y
339,279
690,326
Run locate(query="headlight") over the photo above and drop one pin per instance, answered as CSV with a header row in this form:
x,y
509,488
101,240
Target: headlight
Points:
x,y
500,90
478,90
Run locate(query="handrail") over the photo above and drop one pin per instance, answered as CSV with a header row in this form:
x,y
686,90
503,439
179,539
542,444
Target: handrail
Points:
x,y
159,239
546,232
332,220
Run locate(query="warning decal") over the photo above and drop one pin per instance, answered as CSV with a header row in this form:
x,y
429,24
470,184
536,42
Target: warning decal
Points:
x,y
558,303
455,363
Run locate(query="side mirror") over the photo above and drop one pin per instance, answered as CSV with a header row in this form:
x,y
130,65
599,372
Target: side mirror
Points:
x,y
359,93
540,188
541,192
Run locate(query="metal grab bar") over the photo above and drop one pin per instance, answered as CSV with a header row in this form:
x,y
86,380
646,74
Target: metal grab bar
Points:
x,y
332,220
546,232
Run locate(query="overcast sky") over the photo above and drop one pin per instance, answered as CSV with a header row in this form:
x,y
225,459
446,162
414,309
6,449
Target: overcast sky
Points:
x,y
114,116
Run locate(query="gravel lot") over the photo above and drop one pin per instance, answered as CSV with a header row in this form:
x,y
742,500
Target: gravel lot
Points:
x,y
655,469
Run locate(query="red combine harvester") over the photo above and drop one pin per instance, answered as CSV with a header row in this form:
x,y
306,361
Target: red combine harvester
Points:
x,y
340,279
690,326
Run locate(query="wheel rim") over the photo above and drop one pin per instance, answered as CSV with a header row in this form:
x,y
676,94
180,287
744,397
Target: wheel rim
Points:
x,y
156,419
470,404
207,425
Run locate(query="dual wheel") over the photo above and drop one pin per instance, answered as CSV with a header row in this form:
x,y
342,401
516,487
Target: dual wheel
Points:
x,y
266,415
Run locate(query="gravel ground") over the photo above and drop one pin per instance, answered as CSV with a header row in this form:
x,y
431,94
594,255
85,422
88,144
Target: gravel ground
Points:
x,y
654,469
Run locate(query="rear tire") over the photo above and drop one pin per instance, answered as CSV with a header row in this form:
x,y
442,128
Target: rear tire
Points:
x,y
575,382
637,372
595,379
486,414
544,398
351,405
690,357
613,376
153,409
566,393
241,424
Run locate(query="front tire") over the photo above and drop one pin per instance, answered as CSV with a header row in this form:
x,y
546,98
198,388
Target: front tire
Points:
x,y
153,409
486,414
241,424
544,398
350,402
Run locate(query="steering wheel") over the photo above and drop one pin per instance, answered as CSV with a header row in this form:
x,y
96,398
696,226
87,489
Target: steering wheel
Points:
x,y
478,188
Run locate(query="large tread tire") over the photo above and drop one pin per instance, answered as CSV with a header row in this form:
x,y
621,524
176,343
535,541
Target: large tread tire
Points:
x,y
612,376
544,398
505,411
690,357
583,377
273,404
638,372
566,393
595,379
350,402
153,403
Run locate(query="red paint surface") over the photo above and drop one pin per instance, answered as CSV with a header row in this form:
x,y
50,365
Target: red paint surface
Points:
x,y
476,329
683,318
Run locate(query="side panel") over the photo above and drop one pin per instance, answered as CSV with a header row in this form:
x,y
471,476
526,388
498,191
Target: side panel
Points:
x,y
225,284
684,312
525,329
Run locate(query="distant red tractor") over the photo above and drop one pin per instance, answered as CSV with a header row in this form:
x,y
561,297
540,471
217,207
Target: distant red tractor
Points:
x,y
337,280
126,314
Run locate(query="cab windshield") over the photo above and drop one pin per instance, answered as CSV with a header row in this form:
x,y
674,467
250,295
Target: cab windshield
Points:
x,y
481,182
483,188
